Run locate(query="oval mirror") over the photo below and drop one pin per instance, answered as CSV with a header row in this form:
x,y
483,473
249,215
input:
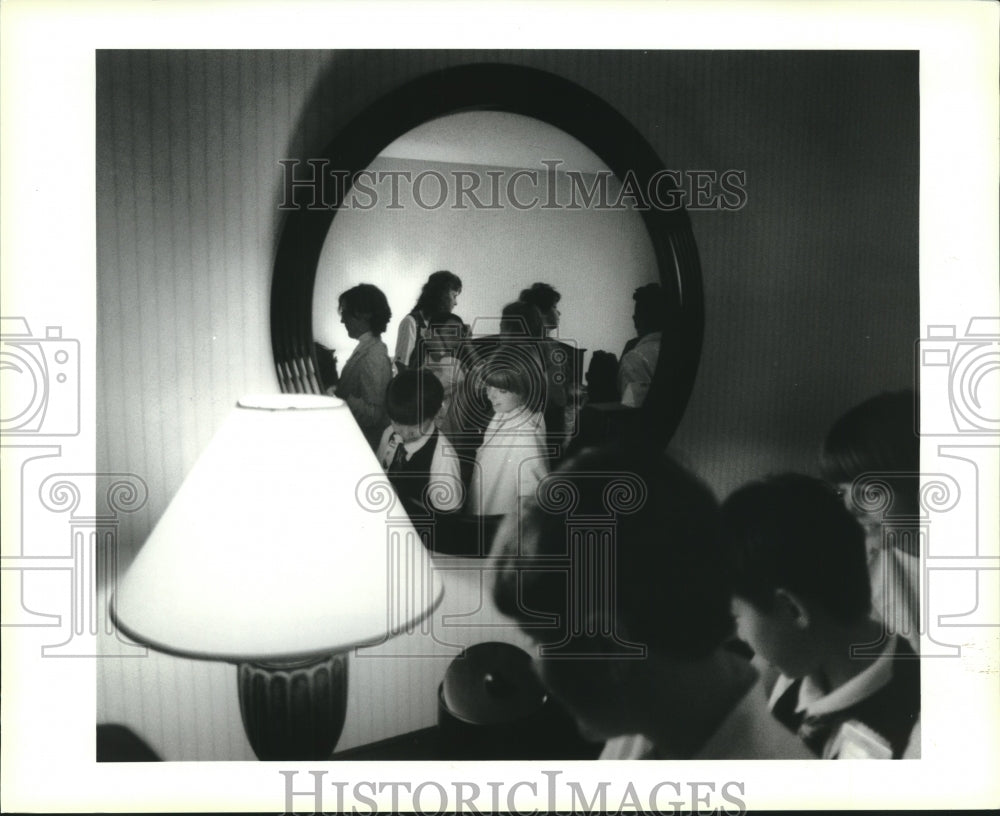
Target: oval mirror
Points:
x,y
506,176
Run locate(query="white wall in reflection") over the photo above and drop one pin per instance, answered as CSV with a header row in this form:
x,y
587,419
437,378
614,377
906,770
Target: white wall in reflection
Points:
x,y
494,238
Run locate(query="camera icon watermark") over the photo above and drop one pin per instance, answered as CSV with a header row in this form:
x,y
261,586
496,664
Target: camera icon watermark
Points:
x,y
41,381
967,369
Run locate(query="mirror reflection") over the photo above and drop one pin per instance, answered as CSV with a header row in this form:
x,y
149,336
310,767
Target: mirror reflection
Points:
x,y
480,228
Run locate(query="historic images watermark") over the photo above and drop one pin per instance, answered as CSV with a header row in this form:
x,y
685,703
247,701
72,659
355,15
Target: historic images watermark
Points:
x,y
68,547
41,379
506,796
313,184
960,367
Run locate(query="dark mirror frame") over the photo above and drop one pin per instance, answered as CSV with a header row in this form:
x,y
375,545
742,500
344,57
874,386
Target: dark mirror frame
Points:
x,y
512,89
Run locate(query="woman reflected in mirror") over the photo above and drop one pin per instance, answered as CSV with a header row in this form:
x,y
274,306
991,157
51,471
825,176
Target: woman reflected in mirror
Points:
x,y
438,295
365,313
545,298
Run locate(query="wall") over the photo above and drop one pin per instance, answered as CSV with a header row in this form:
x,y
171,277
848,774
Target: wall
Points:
x,y
811,289
594,257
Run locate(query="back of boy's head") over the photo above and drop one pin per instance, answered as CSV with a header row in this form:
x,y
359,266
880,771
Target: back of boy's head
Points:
x,y
878,435
413,397
794,533
663,524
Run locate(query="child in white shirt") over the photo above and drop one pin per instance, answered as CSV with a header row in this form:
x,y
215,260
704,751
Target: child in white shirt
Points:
x,y
512,459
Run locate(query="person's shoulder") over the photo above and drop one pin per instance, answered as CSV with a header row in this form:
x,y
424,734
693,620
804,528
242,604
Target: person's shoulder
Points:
x,y
750,731
444,446
535,420
629,356
376,347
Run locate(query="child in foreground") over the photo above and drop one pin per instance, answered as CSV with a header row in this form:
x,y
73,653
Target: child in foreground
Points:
x,y
613,570
871,455
802,601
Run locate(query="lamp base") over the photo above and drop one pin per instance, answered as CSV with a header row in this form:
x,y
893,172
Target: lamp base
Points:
x,y
294,710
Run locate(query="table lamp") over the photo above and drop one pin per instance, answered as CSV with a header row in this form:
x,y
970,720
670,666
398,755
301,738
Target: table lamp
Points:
x,y
269,558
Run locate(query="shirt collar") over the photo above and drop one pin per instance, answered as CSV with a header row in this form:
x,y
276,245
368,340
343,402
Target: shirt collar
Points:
x,y
416,444
813,702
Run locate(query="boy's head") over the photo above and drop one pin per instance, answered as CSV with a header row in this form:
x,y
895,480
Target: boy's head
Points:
x,y
618,546
412,400
796,557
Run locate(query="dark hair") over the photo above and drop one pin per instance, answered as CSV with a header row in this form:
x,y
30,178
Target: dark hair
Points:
x,y
521,319
366,300
602,377
660,525
413,396
542,296
507,372
793,532
434,293
650,307
876,436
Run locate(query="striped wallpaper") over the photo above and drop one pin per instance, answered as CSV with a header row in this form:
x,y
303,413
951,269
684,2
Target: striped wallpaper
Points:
x,y
811,289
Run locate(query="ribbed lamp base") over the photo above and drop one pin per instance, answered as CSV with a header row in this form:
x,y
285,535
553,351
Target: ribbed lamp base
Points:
x,y
294,709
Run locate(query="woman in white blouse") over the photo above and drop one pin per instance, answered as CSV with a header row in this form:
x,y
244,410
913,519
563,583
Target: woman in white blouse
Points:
x,y
365,313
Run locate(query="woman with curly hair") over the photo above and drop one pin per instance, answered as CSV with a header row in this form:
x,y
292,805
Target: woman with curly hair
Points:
x,y
439,294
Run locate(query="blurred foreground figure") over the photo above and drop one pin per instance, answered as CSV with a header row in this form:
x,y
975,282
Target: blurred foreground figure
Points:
x,y
871,455
613,569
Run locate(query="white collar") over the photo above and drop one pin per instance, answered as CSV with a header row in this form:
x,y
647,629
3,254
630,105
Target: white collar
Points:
x,y
814,702
416,444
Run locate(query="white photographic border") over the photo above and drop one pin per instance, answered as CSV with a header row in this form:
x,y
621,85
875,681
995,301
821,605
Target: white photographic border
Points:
x,y
48,102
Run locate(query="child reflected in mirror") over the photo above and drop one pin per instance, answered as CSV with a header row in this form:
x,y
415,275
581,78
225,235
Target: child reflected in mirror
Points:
x,y
512,458
418,459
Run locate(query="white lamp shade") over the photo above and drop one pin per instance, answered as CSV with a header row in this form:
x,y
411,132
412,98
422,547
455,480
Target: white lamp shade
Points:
x,y
284,541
